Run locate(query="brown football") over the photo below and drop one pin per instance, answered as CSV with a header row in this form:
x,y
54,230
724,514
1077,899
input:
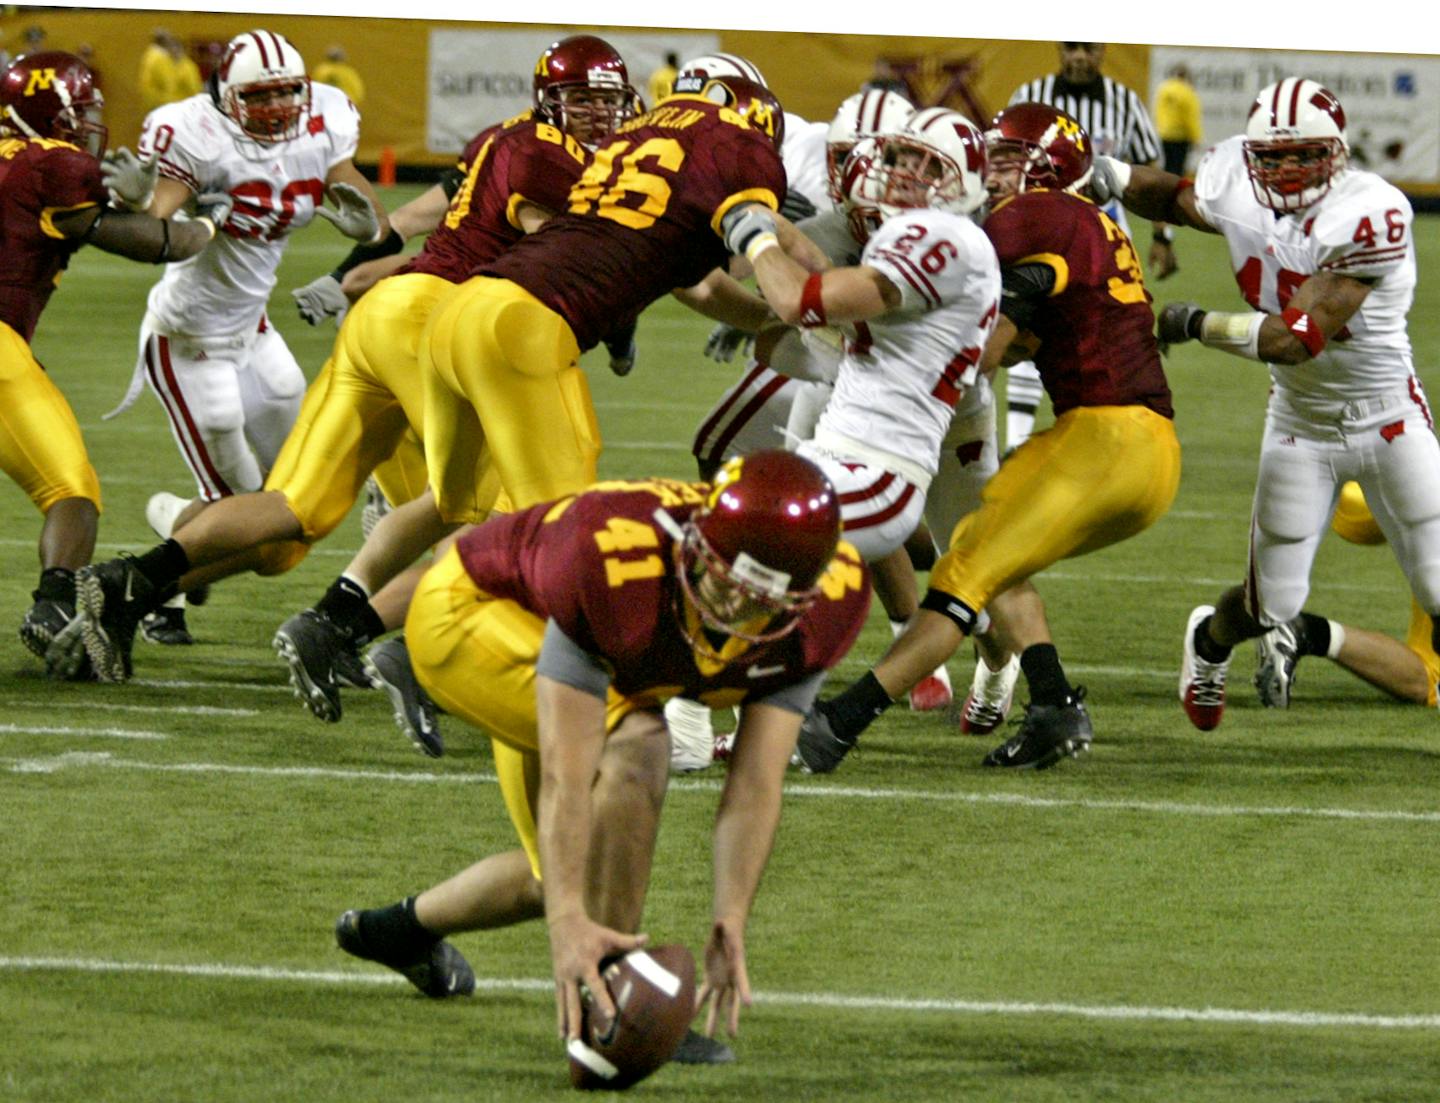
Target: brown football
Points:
x,y
654,994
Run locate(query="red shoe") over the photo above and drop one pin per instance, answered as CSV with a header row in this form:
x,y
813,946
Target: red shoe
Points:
x,y
1202,684
932,692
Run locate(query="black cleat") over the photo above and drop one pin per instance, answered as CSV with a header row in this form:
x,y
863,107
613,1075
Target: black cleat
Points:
x,y
438,970
51,629
819,750
697,1049
350,670
1047,734
388,666
112,598
309,643
166,625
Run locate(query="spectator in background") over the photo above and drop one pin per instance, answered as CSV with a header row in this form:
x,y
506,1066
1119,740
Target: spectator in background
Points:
x,y
662,80
1177,118
167,74
337,71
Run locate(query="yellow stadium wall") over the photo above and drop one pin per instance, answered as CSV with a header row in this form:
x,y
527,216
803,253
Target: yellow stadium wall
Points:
x,y
811,73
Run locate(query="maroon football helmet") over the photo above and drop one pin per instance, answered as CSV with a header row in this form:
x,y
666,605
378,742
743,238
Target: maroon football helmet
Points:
x,y
53,95
752,555
1052,148
582,86
751,100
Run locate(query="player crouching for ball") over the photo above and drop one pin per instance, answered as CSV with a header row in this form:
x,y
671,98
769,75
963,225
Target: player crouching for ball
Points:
x,y
561,630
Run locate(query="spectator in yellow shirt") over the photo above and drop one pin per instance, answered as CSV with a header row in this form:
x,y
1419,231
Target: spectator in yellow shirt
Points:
x,y
1177,118
167,74
339,72
662,80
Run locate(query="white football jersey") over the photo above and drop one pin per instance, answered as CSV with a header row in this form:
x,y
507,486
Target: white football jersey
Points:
x,y
1360,228
803,155
902,373
276,187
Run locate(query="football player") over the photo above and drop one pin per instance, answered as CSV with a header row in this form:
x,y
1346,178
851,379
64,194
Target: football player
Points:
x,y
1408,670
52,201
228,383
1106,470
1324,256
514,175
560,630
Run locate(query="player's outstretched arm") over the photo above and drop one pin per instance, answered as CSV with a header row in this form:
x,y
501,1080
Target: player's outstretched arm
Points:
x,y
1150,192
143,237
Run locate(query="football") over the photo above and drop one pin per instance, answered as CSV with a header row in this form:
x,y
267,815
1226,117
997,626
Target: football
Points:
x,y
654,994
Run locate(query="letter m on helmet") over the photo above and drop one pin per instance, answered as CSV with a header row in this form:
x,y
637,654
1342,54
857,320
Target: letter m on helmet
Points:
x,y
40,81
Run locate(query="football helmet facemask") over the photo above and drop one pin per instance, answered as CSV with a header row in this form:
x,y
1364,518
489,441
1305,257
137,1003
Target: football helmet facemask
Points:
x,y
752,555
261,86
582,87
936,160
1047,147
863,115
1295,144
52,94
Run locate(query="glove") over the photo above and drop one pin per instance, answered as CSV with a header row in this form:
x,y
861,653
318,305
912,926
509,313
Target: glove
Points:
x,y
796,207
321,299
742,225
131,181
215,207
621,347
1108,179
353,216
725,341
1178,323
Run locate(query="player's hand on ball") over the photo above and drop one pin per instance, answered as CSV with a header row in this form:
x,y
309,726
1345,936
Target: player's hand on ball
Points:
x,y
727,983
577,945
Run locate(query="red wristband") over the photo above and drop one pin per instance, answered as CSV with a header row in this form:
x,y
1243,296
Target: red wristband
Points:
x,y
1305,328
812,306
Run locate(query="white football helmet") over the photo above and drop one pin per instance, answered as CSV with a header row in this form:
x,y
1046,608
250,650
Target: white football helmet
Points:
x,y
1295,144
863,115
699,71
261,85
936,159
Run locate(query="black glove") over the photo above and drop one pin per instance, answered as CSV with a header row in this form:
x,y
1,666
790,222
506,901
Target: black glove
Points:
x,y
621,347
1178,323
796,207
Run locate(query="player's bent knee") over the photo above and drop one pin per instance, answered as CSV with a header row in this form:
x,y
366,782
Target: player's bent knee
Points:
x,y
279,556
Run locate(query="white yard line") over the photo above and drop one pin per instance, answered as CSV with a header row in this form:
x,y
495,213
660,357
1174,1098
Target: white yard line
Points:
x,y
84,733
801,791
111,706
834,1000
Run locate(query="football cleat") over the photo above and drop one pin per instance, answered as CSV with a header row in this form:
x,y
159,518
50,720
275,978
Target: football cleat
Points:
x,y
112,598
388,666
819,750
52,631
350,671
692,735
166,625
438,969
1277,653
308,643
724,746
992,693
1202,684
698,1049
1047,734
932,692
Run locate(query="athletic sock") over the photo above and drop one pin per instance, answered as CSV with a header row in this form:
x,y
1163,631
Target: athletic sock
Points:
x,y
56,584
1314,635
856,708
1044,675
394,934
163,565
347,605
1206,647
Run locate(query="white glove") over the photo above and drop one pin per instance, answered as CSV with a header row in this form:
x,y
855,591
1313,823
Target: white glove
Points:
x,y
131,181
353,216
321,299
725,341
746,224
214,207
1108,179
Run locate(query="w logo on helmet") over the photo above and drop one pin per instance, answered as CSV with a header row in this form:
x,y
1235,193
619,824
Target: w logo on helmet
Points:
x,y
40,81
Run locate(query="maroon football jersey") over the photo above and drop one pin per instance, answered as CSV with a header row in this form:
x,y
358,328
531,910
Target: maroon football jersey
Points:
x,y
645,217
519,159
39,178
1096,329
599,564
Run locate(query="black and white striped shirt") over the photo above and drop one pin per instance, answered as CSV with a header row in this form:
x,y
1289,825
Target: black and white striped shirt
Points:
x,y
1113,115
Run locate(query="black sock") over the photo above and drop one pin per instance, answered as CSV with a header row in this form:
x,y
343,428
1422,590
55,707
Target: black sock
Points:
x,y
1314,635
1207,648
393,933
163,565
56,584
1043,674
346,606
854,710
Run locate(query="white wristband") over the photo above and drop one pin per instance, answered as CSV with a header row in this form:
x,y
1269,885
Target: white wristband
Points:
x,y
761,243
1237,334
209,225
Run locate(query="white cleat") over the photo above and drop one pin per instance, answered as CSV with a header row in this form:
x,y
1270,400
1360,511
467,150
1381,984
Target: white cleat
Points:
x,y
992,692
1202,684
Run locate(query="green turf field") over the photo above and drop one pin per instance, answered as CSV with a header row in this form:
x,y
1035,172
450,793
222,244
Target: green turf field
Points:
x,y
1243,915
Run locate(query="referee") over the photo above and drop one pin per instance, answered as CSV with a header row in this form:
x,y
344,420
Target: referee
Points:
x,y
1119,126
